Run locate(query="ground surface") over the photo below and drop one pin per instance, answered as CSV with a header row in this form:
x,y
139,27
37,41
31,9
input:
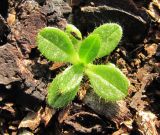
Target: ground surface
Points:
x,y
25,74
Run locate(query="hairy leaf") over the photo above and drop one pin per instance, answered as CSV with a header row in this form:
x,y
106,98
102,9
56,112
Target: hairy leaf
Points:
x,y
55,45
89,48
108,81
73,33
64,87
110,34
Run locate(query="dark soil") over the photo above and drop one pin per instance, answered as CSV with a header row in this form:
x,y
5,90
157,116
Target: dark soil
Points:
x,y
25,74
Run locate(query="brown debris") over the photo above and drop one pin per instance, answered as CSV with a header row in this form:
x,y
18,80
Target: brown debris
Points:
x,y
8,65
25,30
122,131
7,111
151,49
147,123
4,30
94,13
47,114
11,19
73,2
76,117
116,111
14,69
154,10
57,65
55,11
33,119
145,78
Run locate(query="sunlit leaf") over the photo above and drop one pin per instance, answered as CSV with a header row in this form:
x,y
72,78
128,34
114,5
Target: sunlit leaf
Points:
x,y
64,87
108,81
110,34
55,45
89,48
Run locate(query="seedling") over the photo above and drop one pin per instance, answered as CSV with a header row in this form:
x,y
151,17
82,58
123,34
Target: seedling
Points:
x,y
106,80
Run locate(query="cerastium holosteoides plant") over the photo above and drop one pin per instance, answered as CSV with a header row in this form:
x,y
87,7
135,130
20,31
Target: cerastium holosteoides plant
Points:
x,y
106,80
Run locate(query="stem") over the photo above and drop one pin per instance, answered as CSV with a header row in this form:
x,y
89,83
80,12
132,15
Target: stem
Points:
x,y
75,59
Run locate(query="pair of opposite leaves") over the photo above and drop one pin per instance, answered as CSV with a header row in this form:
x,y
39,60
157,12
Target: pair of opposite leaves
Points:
x,y
107,80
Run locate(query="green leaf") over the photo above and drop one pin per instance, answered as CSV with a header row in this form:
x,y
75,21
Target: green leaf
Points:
x,y
55,45
108,81
64,87
89,48
74,34
110,34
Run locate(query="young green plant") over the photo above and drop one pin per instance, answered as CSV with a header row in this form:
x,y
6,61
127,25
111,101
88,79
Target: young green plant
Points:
x,y
67,46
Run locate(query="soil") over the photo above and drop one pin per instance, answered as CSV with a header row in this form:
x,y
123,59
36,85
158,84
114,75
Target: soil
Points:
x,y
25,73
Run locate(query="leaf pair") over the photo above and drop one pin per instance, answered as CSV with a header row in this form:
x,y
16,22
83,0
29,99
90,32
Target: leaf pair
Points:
x,y
107,80
59,46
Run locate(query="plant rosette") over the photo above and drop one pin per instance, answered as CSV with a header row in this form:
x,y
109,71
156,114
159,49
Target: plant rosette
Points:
x,y
107,81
